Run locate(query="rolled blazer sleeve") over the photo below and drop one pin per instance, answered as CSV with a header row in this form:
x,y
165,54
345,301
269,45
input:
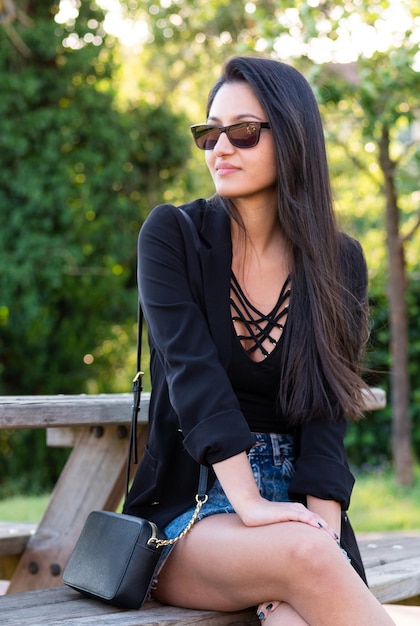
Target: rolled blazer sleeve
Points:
x,y
212,424
321,469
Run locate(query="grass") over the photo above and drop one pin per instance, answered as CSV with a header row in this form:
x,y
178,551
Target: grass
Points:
x,y
378,505
23,508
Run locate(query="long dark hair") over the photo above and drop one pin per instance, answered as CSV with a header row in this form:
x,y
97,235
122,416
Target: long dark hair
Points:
x,y
327,323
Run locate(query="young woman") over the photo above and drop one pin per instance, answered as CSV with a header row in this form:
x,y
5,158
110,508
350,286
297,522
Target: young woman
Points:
x,y
256,320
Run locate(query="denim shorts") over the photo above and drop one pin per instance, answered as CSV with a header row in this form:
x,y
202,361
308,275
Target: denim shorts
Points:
x,y
272,460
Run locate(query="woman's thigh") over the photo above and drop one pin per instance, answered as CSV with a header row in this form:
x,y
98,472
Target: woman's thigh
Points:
x,y
223,565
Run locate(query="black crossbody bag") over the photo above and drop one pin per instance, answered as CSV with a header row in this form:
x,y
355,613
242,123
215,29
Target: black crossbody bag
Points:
x,y
116,556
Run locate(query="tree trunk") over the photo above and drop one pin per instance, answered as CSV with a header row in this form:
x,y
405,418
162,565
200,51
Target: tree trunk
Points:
x,y
398,315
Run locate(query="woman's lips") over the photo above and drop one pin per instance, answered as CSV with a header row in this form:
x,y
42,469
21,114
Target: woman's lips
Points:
x,y
224,169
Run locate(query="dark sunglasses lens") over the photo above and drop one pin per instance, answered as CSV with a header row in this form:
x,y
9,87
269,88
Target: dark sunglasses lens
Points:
x,y
206,137
244,135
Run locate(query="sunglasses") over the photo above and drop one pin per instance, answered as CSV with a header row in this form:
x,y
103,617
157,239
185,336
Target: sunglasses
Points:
x,y
241,135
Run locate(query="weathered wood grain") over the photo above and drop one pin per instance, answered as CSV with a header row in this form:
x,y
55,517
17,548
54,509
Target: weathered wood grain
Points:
x,y
392,566
389,548
396,581
93,478
65,607
68,410
80,410
14,536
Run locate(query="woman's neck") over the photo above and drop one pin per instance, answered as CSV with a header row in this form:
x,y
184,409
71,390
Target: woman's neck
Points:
x,y
262,230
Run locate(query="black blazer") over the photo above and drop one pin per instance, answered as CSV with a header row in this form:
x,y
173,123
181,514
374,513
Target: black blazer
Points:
x,y
194,414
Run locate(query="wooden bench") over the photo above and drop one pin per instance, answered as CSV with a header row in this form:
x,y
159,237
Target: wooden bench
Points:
x,y
61,606
65,607
14,537
392,563
96,427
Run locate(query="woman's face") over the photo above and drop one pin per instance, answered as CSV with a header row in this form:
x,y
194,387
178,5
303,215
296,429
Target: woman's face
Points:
x,y
241,174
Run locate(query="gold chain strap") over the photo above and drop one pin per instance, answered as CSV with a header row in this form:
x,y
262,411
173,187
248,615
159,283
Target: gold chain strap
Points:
x,y
169,542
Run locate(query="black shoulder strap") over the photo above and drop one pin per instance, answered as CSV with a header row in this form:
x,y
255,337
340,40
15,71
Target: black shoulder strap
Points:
x,y
135,409
193,229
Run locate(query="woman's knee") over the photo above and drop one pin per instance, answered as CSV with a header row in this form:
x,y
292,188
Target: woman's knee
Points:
x,y
311,553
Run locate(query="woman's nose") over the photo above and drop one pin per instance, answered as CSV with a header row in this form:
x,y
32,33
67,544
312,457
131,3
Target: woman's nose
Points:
x,y
223,144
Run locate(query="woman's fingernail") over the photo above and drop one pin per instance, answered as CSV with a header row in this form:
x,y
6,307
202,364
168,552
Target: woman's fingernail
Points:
x,y
261,615
269,606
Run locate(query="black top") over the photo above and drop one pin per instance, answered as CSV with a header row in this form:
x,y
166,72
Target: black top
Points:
x,y
259,326
256,383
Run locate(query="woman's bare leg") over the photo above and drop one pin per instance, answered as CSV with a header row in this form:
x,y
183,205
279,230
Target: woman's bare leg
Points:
x,y
224,565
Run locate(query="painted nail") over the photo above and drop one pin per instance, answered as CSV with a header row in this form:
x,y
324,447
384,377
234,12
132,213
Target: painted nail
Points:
x,y
261,615
269,606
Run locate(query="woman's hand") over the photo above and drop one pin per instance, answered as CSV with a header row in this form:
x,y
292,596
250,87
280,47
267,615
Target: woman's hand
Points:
x,y
263,512
236,477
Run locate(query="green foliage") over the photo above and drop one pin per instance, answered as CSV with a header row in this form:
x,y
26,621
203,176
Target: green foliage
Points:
x,y
82,164
26,465
77,177
368,442
78,174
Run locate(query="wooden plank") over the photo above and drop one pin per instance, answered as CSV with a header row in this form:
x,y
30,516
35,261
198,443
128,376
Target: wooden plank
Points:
x,y
392,565
395,581
375,399
66,436
93,478
14,536
77,410
388,548
66,607
69,410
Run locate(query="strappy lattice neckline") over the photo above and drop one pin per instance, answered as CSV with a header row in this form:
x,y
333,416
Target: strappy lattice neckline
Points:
x,y
259,326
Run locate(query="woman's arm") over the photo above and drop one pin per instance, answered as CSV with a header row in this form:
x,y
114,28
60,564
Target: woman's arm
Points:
x,y
329,510
236,477
186,358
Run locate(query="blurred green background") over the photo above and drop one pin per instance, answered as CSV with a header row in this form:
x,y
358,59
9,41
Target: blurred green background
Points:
x,y
95,103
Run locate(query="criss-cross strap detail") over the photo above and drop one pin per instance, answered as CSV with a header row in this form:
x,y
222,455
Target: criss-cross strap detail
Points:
x,y
259,326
